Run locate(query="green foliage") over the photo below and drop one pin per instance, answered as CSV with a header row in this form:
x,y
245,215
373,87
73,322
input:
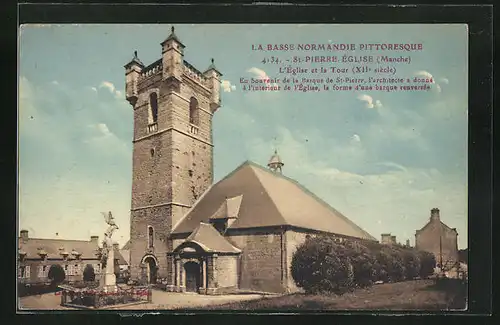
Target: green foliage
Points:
x,y
89,273
363,262
56,274
427,263
322,264
411,261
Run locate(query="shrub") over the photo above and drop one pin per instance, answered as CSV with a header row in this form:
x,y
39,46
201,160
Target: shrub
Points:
x,y
391,264
56,274
427,264
89,273
363,262
321,265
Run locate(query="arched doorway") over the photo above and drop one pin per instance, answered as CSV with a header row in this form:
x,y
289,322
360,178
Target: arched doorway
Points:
x,y
151,269
193,278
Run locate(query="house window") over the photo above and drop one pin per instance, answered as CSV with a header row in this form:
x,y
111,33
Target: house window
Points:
x,y
43,271
153,107
194,115
24,272
150,236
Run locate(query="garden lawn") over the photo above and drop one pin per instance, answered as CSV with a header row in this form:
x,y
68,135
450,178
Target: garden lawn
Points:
x,y
408,295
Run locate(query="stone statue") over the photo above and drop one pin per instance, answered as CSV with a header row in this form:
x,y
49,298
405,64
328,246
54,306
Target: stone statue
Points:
x,y
108,278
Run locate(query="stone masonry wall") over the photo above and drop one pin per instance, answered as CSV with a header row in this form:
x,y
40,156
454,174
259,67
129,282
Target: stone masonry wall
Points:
x,y
227,271
260,261
293,240
172,163
157,217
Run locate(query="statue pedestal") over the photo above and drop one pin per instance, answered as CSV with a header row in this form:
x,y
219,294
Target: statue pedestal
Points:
x,y
108,278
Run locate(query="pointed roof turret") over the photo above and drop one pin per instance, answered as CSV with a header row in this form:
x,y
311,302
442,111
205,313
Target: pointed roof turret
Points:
x,y
135,60
174,37
212,67
275,162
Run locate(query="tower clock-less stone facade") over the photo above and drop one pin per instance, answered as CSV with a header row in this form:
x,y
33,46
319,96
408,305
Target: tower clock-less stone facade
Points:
x,y
173,105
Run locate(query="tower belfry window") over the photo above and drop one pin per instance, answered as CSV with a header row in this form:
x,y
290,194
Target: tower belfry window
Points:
x,y
153,106
194,115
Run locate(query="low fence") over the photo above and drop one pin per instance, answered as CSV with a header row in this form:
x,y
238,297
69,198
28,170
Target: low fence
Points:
x,y
89,298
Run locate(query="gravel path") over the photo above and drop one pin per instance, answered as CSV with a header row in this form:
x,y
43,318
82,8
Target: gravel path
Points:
x,y
161,300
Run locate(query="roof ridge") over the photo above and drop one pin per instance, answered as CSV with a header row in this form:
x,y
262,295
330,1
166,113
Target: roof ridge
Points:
x,y
317,198
58,239
269,195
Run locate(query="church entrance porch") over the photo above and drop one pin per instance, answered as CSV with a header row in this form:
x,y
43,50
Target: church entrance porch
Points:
x,y
193,276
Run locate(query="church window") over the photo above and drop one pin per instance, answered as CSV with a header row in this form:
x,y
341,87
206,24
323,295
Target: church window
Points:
x,y
153,106
150,236
193,111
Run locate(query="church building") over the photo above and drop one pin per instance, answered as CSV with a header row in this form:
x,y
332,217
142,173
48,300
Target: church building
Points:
x,y
193,235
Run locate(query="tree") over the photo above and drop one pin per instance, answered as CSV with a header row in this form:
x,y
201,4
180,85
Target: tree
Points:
x,y
411,261
427,264
89,273
391,263
321,265
56,274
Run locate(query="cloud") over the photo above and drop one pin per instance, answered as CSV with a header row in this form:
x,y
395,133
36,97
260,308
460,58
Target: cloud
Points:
x,y
227,87
444,80
262,75
356,138
111,88
428,75
108,85
104,129
369,101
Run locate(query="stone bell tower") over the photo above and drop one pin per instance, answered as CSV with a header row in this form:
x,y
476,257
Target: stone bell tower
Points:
x,y
173,105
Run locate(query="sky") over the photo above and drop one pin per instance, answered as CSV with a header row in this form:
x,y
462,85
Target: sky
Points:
x,y
384,159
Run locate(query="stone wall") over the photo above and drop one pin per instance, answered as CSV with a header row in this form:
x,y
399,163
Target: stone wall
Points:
x,y
157,217
227,271
293,240
260,261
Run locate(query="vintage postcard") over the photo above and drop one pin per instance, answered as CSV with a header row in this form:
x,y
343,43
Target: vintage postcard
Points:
x,y
243,167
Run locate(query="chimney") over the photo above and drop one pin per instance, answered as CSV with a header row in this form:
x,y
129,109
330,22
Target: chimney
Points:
x,y
24,235
435,214
386,238
116,246
94,239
